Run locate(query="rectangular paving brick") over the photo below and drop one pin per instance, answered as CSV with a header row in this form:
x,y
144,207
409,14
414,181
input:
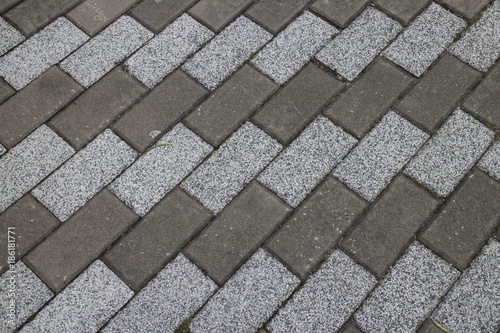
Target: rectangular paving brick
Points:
x,y
226,52
237,232
216,14
408,293
30,59
274,15
327,299
5,91
350,327
390,225
29,162
357,45
467,219
490,162
293,47
6,4
340,12
159,170
237,161
300,167
156,15
404,10
467,8
450,153
9,36
248,299
103,52
81,239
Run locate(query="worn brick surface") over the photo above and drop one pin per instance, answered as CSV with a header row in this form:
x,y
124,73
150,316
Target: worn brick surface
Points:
x,y
350,328
430,327
5,91
156,15
6,4
404,10
340,12
216,14
273,15
467,8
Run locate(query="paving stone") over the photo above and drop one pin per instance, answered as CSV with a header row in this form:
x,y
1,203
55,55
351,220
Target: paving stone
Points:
x,y
301,166
23,293
33,57
85,174
103,52
274,15
97,107
5,91
216,14
473,305
479,46
156,15
172,297
425,39
230,105
316,226
29,162
430,327
340,12
237,232
437,94
159,170
31,107
369,98
408,293
249,298
6,4
237,161
404,10
491,161
357,45
3,150
157,238
390,225
315,307
76,243
85,305
9,36
450,153
293,47
350,328
467,8
226,52
467,219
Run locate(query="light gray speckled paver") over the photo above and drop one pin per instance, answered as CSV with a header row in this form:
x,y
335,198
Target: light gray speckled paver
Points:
x,y
450,153
103,52
425,39
3,150
491,161
160,169
328,298
226,52
479,46
408,293
298,169
38,53
473,304
84,305
85,174
237,161
248,299
166,302
29,162
356,46
9,36
381,154
168,50
293,47
29,295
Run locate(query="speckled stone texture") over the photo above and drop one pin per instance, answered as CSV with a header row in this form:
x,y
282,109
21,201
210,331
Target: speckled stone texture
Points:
x,y
328,298
3,150
103,52
160,169
9,36
293,47
425,39
29,162
85,305
450,153
491,161
357,45
226,52
298,169
479,46
168,50
248,299
166,302
38,53
408,293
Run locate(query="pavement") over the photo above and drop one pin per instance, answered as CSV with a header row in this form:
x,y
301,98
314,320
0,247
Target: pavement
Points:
x,y
250,166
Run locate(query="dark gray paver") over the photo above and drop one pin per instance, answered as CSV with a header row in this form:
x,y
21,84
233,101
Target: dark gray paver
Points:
x,y
404,10
9,36
389,226
97,107
156,15
274,15
76,243
491,161
437,94
230,105
369,98
464,7
237,231
316,226
6,4
350,328
157,238
430,327
468,218
5,91
340,12
216,14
